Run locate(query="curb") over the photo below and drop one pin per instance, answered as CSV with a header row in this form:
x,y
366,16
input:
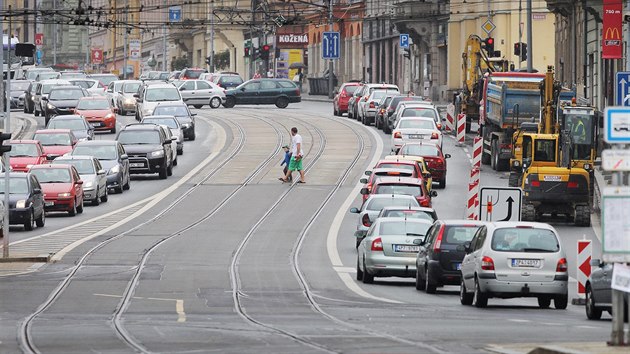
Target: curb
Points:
x,y
44,258
552,349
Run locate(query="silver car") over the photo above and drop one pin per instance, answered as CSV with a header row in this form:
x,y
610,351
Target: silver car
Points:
x,y
373,205
390,247
173,125
198,93
92,174
415,129
113,90
150,96
514,259
124,100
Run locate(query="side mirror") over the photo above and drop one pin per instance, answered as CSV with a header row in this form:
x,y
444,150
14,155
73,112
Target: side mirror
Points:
x,y
173,138
364,191
100,172
115,109
124,156
433,194
354,210
80,182
45,99
447,156
193,114
182,88
37,191
363,180
368,173
418,242
243,89
51,157
135,95
426,175
465,247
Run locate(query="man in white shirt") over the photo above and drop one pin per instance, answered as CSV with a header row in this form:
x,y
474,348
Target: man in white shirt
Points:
x,y
296,156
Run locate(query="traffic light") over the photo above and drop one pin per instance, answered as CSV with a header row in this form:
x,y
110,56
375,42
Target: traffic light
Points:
x,y
520,49
4,137
247,54
406,53
256,53
489,45
208,61
264,52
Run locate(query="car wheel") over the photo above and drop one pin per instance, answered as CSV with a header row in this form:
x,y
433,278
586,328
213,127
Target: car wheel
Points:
x,y
544,302
80,207
215,102
169,170
41,221
367,277
113,130
349,113
480,298
592,312
105,196
429,287
465,298
193,136
230,102
97,199
420,284
358,242
25,110
560,302
36,112
30,223
73,210
127,185
359,271
198,106
164,172
180,151
123,112
282,102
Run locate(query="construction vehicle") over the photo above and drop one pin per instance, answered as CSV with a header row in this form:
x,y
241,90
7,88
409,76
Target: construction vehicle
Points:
x,y
476,63
557,159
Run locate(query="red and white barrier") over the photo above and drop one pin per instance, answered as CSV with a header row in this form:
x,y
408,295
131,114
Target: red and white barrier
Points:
x,y
450,120
472,209
461,128
477,149
585,250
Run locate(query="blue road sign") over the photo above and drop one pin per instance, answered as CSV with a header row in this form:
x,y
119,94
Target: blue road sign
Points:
x,y
617,125
622,89
330,45
404,40
38,54
175,14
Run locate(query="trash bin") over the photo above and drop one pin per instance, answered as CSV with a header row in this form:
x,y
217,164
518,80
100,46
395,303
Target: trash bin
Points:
x,y
319,85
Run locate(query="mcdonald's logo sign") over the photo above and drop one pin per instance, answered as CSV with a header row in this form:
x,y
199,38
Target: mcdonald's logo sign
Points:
x,y
612,29
612,37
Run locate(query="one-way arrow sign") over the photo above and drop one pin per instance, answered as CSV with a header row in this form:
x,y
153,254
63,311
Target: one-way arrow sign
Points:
x,y
500,204
622,88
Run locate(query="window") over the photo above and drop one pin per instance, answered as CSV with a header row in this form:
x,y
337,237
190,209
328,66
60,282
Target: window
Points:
x,y
65,94
188,85
169,122
131,87
268,85
61,139
404,228
52,175
409,214
202,85
16,186
480,238
162,94
105,152
399,189
545,151
93,104
72,124
85,167
408,167
459,234
139,137
22,150
378,204
253,86
416,124
524,240
419,112
419,150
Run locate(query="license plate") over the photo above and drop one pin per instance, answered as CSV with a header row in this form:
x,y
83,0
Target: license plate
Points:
x,y
416,136
458,266
406,248
49,204
97,124
552,178
136,164
530,263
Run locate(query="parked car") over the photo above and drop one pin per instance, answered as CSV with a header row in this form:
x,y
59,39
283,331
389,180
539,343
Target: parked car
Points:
x,y
342,96
415,187
514,259
98,112
372,207
149,96
413,129
181,112
81,129
393,106
432,155
408,212
365,95
105,79
598,289
352,102
29,97
24,154
390,247
439,261
125,100
149,149
198,93
62,187
42,90
191,73
62,100
26,200
113,158
280,92
174,127
91,173
56,142
227,80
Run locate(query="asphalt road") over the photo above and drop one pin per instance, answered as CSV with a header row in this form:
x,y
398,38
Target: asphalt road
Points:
x,y
229,259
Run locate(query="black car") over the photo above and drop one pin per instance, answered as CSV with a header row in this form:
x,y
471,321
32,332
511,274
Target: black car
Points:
x,y
393,104
62,100
280,92
381,111
182,114
439,260
149,149
112,156
227,80
598,290
26,200
29,103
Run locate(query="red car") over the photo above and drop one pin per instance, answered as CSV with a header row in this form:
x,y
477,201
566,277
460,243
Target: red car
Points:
x,y
25,153
433,156
56,142
99,112
383,172
402,185
404,164
340,101
62,187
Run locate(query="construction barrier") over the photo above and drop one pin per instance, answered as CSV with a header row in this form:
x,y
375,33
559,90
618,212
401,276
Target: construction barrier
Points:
x,y
477,149
472,210
450,120
585,250
461,129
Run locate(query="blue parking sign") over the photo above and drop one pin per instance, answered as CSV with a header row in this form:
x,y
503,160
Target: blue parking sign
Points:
x,y
404,40
175,14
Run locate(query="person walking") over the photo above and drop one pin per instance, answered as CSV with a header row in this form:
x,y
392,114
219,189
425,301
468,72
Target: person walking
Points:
x,y
286,162
295,164
298,78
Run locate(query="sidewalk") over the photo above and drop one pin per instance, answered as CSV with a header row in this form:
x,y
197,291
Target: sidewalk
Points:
x,y
560,348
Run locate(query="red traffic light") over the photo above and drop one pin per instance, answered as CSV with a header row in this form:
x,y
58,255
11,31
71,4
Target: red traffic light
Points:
x,y
266,47
490,41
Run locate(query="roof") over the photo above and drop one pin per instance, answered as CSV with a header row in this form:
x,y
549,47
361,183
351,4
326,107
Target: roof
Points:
x,y
403,219
399,180
141,126
24,141
56,81
67,117
463,222
391,196
89,98
97,142
396,159
400,207
74,157
50,166
53,131
505,224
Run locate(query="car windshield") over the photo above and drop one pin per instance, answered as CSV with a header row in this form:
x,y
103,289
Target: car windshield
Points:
x,y
117,86
419,150
408,167
404,228
404,189
179,111
409,214
23,150
416,124
71,75
48,87
231,80
84,167
16,186
524,239
103,152
350,89
380,203
131,87
458,234
72,124
65,94
93,104
169,122
419,112
139,137
52,175
162,94
47,76
193,74
19,86
82,83
56,139
32,75
105,79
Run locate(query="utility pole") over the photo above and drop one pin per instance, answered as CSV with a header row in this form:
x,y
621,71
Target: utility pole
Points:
x,y
211,36
520,30
530,49
55,26
126,40
7,129
331,81
166,20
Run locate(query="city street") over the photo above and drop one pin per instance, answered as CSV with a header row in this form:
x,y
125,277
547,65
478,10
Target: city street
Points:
x,y
223,257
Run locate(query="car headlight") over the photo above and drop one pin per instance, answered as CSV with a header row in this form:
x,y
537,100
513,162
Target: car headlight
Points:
x,y
64,195
587,166
158,153
186,125
114,170
129,100
88,185
50,106
21,204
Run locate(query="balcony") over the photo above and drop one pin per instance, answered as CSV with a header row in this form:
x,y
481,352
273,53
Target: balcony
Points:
x,y
419,11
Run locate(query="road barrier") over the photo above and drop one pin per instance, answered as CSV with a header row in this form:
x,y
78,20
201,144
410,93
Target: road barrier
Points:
x,y
472,210
461,129
584,252
450,114
476,155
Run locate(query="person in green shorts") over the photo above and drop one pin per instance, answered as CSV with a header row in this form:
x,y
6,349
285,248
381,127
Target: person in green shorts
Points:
x,y
296,157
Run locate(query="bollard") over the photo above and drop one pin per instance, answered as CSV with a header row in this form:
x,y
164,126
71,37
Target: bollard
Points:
x,y
473,195
477,149
461,129
584,253
450,113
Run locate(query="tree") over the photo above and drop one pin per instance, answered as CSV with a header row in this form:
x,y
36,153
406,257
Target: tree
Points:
x,y
222,60
180,63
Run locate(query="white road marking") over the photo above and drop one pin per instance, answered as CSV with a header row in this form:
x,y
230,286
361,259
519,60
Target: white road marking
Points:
x,y
518,320
345,270
352,285
179,308
588,327
179,304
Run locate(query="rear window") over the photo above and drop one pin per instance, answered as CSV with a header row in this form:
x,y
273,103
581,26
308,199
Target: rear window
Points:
x,y
378,204
408,167
458,234
416,124
419,112
286,84
525,240
404,228
351,89
409,214
404,189
419,150
193,74
231,79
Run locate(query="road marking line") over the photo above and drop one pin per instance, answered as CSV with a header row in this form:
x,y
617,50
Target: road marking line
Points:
x,y
518,320
179,308
179,304
345,270
352,285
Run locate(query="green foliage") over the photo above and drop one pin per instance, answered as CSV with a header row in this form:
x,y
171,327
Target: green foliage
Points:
x,y
222,60
180,63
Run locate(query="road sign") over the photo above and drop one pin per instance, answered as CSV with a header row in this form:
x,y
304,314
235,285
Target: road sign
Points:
x,y
616,160
617,125
39,39
404,40
97,56
135,47
488,26
622,89
500,204
175,14
330,45
616,224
